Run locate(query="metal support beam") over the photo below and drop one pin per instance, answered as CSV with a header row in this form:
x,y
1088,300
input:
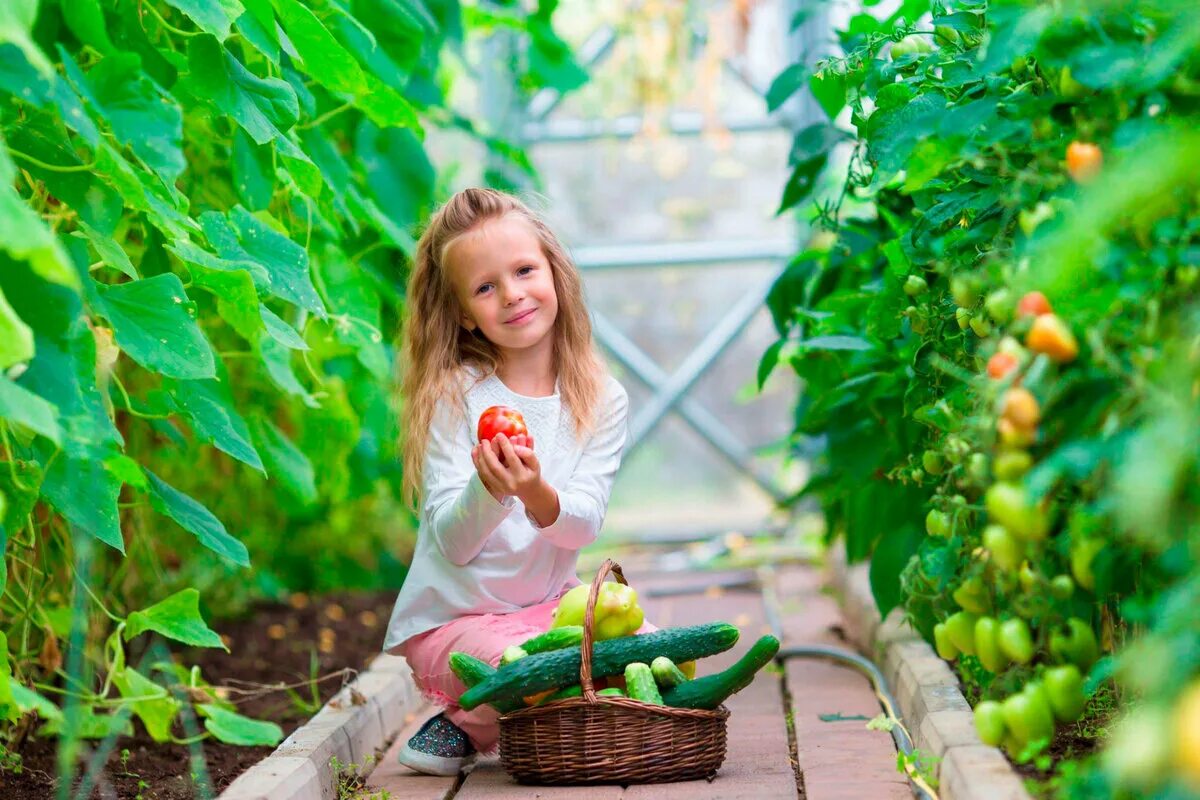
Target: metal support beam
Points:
x,y
667,254
724,332
711,429
679,123
594,49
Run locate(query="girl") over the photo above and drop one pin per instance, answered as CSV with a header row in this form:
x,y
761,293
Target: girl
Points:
x,y
496,317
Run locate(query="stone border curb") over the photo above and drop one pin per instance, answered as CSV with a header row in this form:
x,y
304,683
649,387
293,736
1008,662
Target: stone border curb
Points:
x,y
300,768
930,703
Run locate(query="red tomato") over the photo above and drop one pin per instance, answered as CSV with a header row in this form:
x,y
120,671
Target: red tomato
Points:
x,y
501,419
1033,304
1001,364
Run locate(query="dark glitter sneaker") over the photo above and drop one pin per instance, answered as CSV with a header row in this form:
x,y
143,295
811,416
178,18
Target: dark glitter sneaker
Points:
x,y
438,748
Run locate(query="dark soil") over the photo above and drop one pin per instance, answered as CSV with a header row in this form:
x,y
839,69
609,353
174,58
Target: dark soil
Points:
x,y
275,644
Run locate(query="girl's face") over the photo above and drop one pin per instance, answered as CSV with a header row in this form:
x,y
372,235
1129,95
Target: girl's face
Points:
x,y
503,283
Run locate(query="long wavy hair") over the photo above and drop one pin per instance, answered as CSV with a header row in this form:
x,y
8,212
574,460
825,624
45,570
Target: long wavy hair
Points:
x,y
436,347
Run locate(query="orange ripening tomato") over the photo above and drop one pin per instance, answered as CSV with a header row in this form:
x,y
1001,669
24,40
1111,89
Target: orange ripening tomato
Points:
x,y
501,419
1051,336
1001,364
1021,408
1032,304
1083,161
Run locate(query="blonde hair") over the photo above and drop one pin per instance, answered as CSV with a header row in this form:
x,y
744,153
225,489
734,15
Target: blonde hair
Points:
x,y
436,346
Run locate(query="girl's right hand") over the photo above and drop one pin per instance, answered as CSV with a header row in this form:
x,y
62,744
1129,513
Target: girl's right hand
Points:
x,y
520,440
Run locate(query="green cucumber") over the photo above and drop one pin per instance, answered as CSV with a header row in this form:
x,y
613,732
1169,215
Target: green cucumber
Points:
x,y
564,693
666,673
639,683
512,653
471,671
554,639
537,673
614,691
712,690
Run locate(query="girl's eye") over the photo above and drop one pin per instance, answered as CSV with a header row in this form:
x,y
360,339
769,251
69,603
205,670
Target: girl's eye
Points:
x,y
481,289
522,269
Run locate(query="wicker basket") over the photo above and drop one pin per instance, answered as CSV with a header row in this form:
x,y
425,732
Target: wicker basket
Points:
x,y
592,739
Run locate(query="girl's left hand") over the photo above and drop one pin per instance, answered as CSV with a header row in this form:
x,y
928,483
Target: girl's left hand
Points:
x,y
518,475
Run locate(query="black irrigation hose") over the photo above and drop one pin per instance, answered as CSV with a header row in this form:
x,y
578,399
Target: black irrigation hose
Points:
x,y
900,736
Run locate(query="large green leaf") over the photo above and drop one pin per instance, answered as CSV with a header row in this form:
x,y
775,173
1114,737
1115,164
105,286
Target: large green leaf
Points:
x,y
140,112
16,338
263,107
197,519
214,16
24,236
177,617
286,463
154,705
152,320
109,251
243,237
233,728
84,492
19,78
237,300
23,407
215,419
322,55
16,23
356,307
278,361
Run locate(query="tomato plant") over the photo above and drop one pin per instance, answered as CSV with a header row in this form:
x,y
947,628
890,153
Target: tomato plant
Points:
x,y
1047,358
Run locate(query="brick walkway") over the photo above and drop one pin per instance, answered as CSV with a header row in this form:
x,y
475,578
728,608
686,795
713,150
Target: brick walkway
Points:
x,y
837,758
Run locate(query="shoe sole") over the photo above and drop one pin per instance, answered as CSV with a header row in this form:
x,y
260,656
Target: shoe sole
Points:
x,y
428,764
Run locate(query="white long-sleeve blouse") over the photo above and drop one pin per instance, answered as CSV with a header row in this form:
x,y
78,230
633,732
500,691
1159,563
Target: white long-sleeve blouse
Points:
x,y
475,555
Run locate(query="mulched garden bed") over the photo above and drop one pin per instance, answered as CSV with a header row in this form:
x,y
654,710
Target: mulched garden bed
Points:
x,y
276,643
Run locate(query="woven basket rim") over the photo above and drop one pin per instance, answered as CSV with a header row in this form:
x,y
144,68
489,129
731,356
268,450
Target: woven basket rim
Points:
x,y
627,704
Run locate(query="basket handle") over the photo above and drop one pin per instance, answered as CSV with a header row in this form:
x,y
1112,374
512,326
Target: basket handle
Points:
x,y
589,624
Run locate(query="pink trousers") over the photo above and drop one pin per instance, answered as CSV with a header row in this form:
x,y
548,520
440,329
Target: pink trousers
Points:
x,y
484,636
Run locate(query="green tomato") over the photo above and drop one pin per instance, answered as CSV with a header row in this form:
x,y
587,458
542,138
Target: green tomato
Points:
x,y
1064,687
946,35
941,642
1062,587
972,596
965,290
963,317
1000,305
1027,576
915,286
1011,464
1027,716
977,467
900,49
981,326
1077,645
987,647
1015,640
960,627
1083,553
1005,549
989,722
1138,752
956,449
933,462
1008,504
937,523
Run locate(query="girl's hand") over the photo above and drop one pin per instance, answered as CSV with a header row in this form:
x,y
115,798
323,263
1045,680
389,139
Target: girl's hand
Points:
x,y
518,475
